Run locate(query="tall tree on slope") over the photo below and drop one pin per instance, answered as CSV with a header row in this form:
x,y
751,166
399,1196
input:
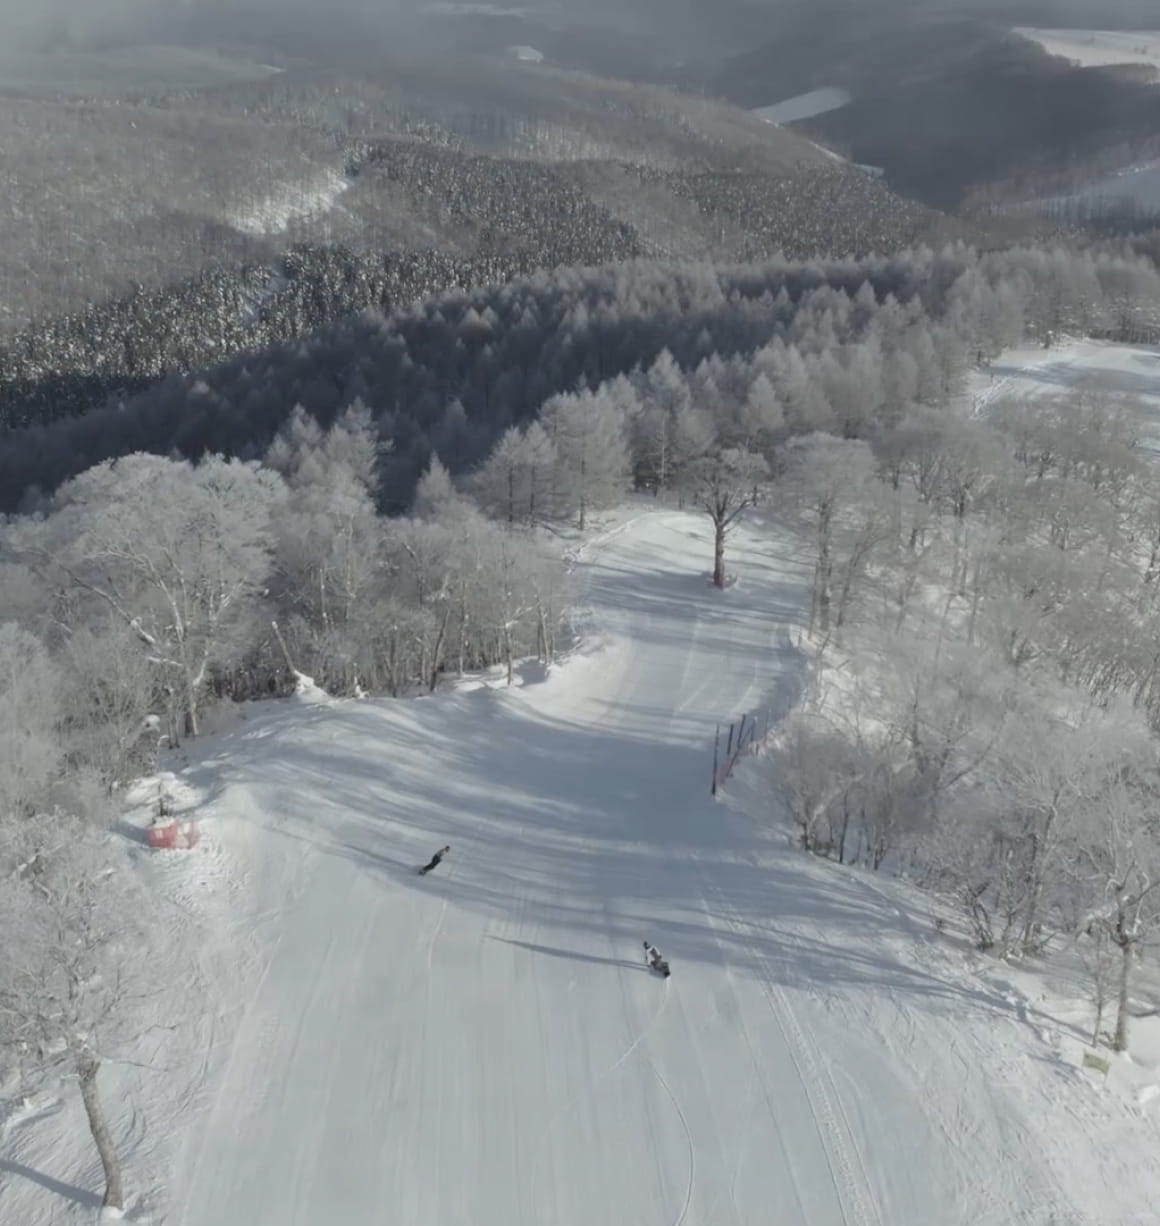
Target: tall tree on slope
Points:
x,y
171,549
592,455
80,959
724,485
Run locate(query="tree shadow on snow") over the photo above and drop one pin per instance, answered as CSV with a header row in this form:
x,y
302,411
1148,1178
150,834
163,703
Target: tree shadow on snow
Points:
x,y
81,1196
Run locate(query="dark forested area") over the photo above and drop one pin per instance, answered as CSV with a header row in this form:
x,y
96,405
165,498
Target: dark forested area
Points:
x,y
508,218
453,373
945,97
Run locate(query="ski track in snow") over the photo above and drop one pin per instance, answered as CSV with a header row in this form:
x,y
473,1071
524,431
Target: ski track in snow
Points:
x,y
485,1047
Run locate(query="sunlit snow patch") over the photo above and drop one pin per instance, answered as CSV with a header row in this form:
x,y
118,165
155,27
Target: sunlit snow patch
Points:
x,y
1098,48
804,106
292,204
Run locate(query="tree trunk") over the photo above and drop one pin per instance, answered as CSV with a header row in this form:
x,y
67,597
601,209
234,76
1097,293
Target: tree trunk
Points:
x,y
1120,1041
437,651
87,1069
192,720
719,552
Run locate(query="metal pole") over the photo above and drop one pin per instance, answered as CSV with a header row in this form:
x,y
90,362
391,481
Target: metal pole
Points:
x,y
716,753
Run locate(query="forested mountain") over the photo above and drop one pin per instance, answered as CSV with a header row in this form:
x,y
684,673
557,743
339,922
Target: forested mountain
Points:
x,y
229,216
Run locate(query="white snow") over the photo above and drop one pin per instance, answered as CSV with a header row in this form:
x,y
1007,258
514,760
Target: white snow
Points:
x,y
485,1046
1098,48
529,55
1134,185
804,106
278,213
1124,370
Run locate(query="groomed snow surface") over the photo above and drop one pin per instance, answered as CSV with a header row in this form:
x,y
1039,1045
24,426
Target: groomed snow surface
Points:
x,y
483,1046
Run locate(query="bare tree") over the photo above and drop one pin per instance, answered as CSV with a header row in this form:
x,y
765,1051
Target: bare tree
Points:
x,y
724,486
80,952
1118,864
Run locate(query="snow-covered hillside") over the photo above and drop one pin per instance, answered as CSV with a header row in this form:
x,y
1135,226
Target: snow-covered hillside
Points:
x,y
1098,48
484,1045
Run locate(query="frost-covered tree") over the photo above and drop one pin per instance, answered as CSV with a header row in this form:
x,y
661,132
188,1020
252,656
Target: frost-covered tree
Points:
x,y
588,432
1118,867
832,482
174,550
80,978
436,495
31,712
724,486
517,482
328,543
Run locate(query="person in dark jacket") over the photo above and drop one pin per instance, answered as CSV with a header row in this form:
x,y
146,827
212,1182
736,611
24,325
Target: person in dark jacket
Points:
x,y
435,860
652,956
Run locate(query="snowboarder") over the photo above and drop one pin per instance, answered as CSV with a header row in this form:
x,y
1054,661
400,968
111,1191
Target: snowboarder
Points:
x,y
435,860
652,956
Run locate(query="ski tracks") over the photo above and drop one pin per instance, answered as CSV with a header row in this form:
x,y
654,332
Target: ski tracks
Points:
x,y
847,1163
688,1138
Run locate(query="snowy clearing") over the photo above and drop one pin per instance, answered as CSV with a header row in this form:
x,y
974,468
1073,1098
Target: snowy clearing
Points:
x,y
1125,370
1098,48
804,106
294,204
484,1045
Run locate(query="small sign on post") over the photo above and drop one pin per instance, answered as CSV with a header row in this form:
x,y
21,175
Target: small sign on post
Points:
x,y
1099,1063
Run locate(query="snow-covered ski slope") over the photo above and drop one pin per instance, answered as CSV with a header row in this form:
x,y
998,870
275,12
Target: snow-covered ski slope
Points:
x,y
1101,367
484,1047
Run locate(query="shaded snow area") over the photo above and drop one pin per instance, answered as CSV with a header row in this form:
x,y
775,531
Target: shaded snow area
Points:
x,y
291,205
804,106
484,1046
1098,48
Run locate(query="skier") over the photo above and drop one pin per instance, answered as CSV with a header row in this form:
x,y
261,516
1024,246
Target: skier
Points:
x,y
652,956
435,860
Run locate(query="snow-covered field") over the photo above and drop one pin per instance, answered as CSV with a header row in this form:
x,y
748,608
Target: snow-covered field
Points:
x,y
1123,370
484,1046
1098,48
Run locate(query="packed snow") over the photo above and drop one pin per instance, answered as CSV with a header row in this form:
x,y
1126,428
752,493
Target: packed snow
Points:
x,y
485,1045
804,106
1098,48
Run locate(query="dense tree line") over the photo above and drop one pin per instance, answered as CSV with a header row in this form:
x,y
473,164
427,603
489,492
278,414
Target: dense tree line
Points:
x,y
497,220
452,374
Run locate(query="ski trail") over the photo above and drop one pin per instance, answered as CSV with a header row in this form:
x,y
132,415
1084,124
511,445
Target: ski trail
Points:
x,y
601,1077
847,1164
760,1082
438,930
689,1140
640,1038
